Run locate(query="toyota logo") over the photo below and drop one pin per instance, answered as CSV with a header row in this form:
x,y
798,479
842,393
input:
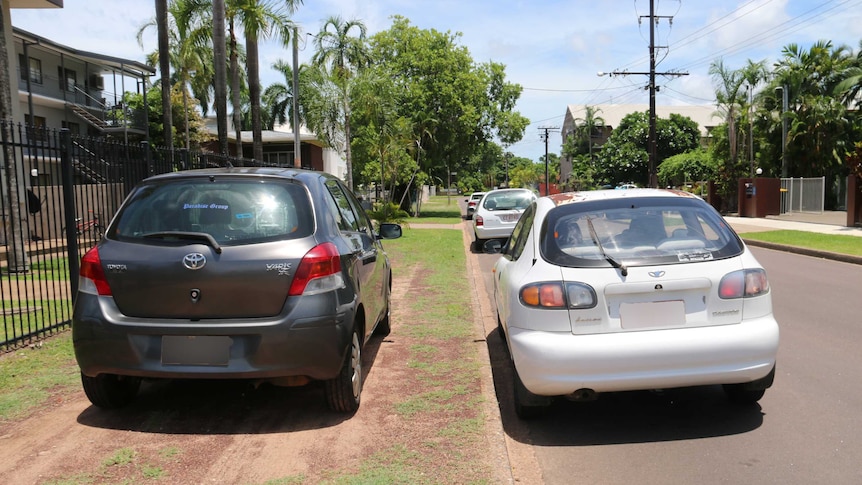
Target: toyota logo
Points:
x,y
194,261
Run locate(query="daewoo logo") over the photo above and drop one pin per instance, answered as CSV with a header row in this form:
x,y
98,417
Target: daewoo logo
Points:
x,y
194,261
656,274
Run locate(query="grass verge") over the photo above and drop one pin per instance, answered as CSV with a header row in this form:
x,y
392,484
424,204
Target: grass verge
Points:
x,y
851,245
30,376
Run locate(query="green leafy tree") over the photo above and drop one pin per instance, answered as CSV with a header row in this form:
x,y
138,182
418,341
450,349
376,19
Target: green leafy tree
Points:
x,y
340,56
195,127
456,106
695,165
624,157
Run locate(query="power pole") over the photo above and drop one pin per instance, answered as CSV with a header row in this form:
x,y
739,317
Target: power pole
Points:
x,y
653,155
544,137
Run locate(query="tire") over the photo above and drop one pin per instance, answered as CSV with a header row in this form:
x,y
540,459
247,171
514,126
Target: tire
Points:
x,y
384,326
477,245
109,391
343,392
749,392
501,331
527,404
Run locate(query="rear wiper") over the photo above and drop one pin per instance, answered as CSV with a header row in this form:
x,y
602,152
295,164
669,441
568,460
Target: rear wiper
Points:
x,y
197,236
616,264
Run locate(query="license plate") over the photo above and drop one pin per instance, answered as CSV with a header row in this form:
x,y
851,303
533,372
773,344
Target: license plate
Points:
x,y
196,350
652,314
509,217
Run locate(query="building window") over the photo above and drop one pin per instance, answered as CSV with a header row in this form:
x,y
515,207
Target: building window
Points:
x,y
35,127
280,159
34,67
74,128
68,79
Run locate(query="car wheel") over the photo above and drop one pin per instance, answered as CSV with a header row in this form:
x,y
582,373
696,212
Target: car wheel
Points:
x,y
500,330
749,392
109,391
738,394
477,245
527,404
342,392
384,326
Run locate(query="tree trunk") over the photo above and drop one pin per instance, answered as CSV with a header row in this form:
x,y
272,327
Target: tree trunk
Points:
x,y
347,160
165,70
253,69
16,255
235,89
220,68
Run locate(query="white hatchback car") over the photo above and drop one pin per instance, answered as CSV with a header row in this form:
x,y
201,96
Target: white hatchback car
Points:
x,y
497,212
622,290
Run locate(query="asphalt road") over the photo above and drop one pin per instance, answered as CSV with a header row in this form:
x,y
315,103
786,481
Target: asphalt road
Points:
x,y
805,430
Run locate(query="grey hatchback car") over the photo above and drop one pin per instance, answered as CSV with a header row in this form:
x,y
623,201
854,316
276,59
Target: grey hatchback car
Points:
x,y
268,274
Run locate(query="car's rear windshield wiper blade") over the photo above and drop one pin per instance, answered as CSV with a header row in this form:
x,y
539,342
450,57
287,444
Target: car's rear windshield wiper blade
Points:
x,y
616,264
196,236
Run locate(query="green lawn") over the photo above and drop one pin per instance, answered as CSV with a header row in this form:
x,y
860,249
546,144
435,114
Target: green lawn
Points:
x,y
824,242
440,209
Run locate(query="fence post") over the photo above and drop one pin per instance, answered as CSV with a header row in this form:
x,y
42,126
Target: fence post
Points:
x,y
148,156
69,210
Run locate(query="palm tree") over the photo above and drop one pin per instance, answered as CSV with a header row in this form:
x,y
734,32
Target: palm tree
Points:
x,y
587,126
261,19
727,97
342,56
165,68
278,97
189,50
220,71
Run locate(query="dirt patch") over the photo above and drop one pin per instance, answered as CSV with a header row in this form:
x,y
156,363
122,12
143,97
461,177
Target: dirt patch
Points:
x,y
414,425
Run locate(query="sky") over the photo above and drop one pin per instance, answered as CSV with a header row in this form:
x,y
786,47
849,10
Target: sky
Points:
x,y
553,49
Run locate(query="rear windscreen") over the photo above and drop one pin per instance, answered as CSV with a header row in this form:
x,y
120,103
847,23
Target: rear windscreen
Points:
x,y
231,211
636,232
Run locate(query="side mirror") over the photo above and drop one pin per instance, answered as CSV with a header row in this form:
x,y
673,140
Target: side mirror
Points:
x,y
389,231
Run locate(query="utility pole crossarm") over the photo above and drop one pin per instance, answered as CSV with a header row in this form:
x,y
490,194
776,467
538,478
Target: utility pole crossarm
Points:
x,y
652,176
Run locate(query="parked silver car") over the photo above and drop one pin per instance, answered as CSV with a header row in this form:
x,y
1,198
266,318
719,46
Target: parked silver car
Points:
x,y
268,274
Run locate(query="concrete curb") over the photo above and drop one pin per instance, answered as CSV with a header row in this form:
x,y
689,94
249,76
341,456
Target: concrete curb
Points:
x,y
815,253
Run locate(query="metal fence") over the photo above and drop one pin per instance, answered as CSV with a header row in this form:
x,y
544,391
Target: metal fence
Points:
x,y
57,191
803,194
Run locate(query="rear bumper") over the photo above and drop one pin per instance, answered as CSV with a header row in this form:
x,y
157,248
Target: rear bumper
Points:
x,y
293,345
484,232
556,363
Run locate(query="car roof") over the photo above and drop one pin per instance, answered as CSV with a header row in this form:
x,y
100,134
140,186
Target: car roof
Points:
x,y
593,195
285,172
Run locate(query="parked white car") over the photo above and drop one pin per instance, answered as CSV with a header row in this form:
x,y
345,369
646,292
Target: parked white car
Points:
x,y
622,290
471,203
497,212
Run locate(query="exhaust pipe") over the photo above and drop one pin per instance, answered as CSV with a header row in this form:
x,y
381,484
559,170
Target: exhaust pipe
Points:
x,y
583,395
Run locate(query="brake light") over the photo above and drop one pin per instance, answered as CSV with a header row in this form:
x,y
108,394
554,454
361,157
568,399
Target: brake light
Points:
x,y
743,284
92,276
318,272
479,221
558,295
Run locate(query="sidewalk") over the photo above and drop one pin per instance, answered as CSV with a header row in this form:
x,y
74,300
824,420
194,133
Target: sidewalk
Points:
x,y
825,223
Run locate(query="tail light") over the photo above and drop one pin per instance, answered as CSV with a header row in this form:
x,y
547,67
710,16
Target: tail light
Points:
x,y
479,221
558,295
318,272
743,284
92,276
